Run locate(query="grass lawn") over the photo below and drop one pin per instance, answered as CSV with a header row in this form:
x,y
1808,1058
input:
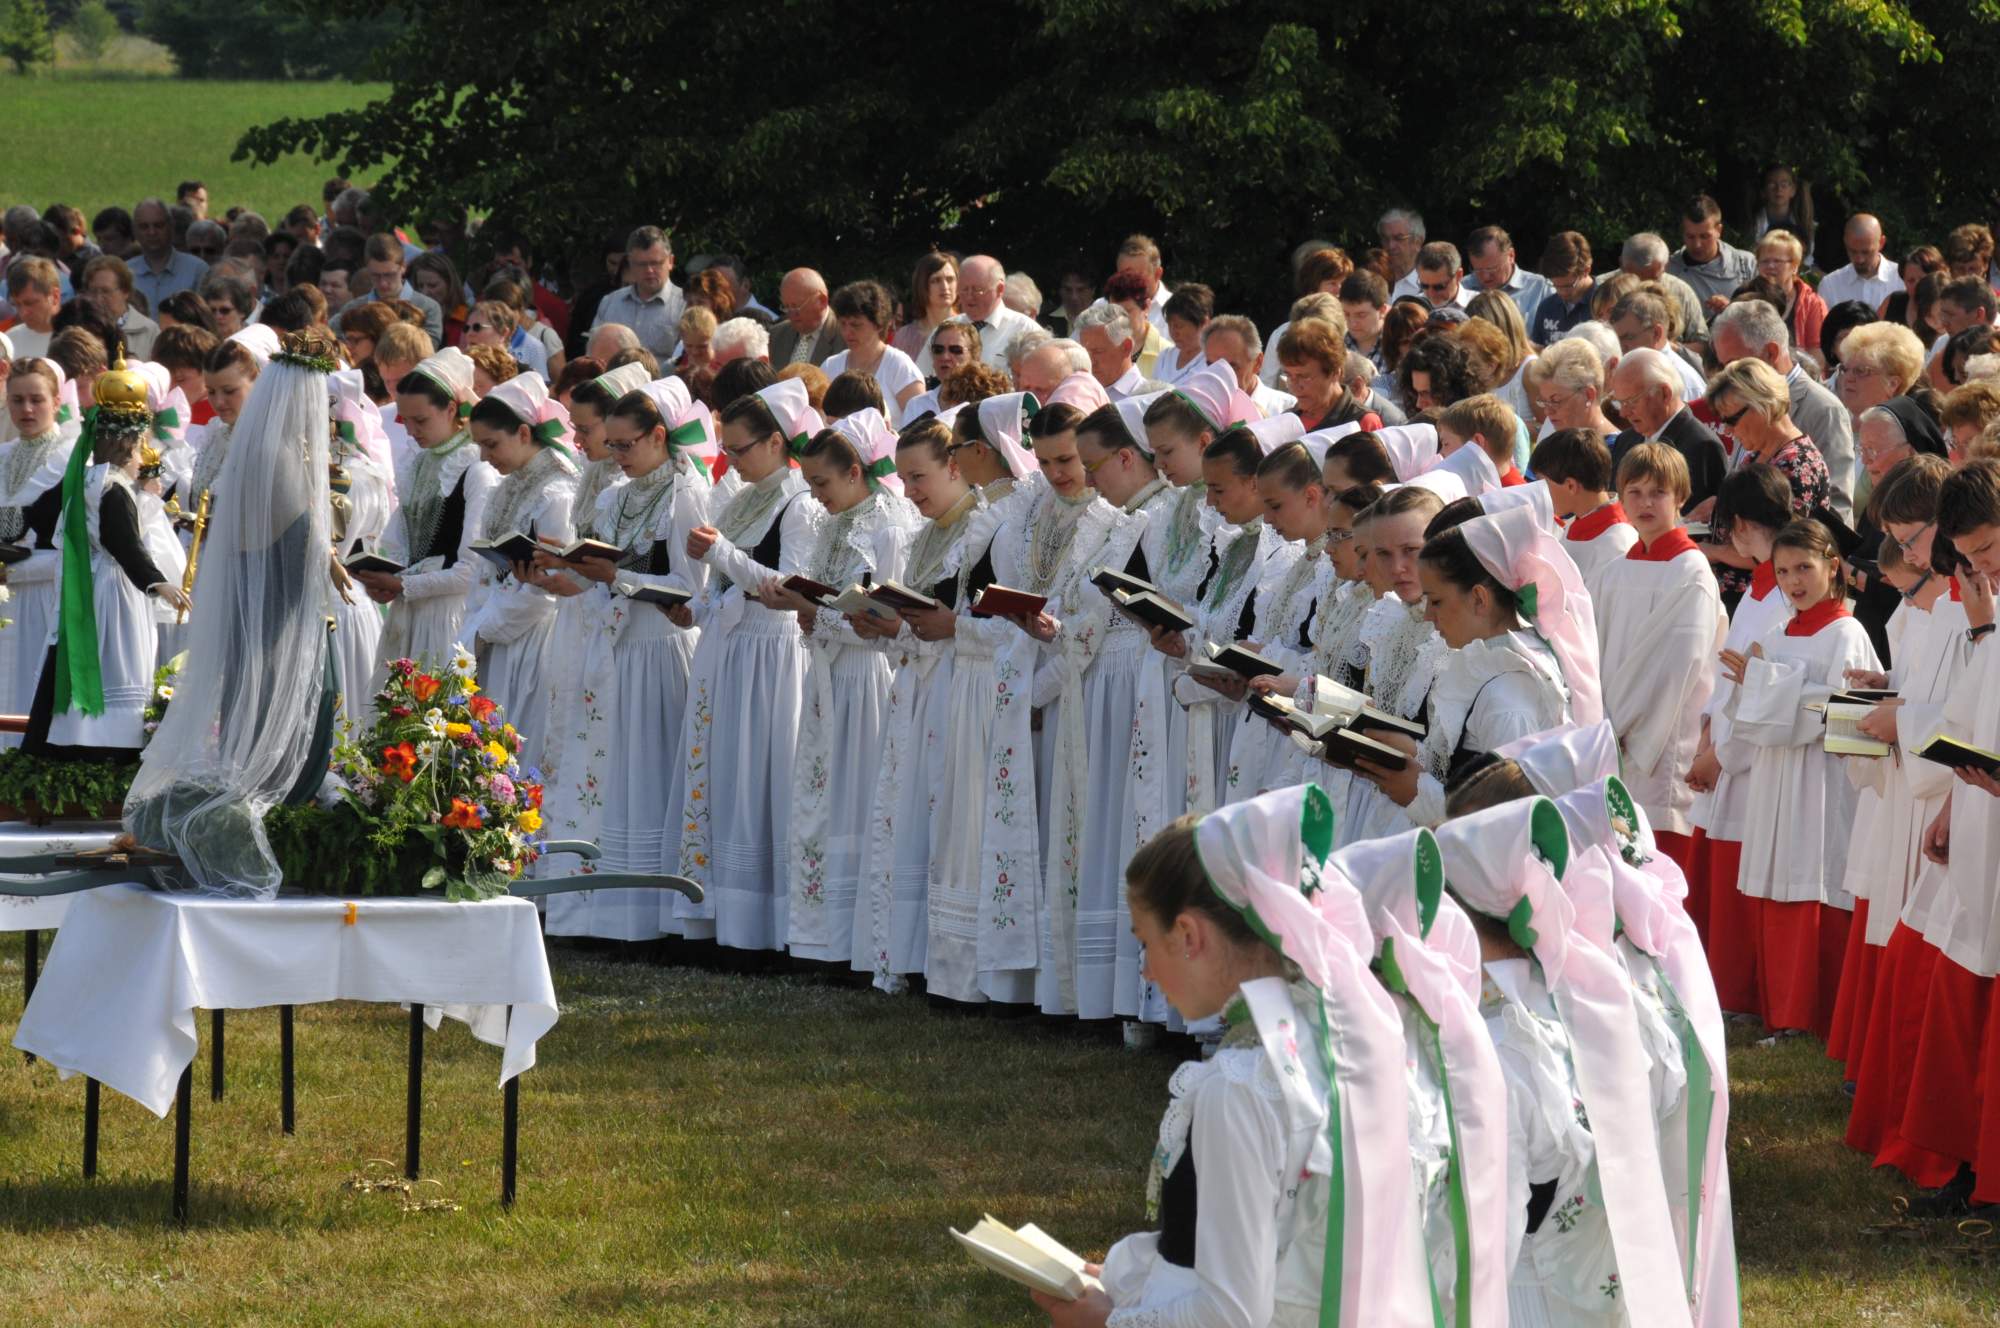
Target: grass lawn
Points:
x,y
92,139
729,1149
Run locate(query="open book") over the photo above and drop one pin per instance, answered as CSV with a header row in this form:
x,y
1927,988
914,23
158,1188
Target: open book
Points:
x,y
1952,752
372,562
590,548
1029,1256
857,601
667,597
998,601
1243,662
816,592
901,598
1843,729
1141,600
510,548
14,553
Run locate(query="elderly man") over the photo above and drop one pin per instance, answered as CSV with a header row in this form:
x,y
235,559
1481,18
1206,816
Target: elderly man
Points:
x,y
1491,250
652,305
1042,369
1753,330
740,339
1106,333
382,260
982,287
1232,339
1141,256
1645,389
1641,319
1438,276
160,269
608,340
809,334
1644,255
1713,267
1401,232
207,240
1866,277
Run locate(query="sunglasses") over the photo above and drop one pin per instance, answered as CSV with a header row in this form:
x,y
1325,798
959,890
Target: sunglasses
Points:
x,y
1439,287
950,350
1730,421
479,327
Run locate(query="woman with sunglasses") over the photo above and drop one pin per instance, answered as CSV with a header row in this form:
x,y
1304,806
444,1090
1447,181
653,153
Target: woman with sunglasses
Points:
x,y
1753,417
954,346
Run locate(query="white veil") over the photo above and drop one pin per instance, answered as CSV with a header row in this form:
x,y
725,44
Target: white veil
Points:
x,y
247,708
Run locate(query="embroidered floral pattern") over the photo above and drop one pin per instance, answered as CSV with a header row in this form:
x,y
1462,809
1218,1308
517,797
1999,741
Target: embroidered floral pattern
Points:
x,y
694,812
1567,1215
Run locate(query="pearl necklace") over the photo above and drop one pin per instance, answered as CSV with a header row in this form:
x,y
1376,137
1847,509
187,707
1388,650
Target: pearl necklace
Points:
x,y
1056,519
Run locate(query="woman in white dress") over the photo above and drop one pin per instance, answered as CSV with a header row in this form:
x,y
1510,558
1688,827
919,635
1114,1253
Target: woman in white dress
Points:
x,y
97,674
902,836
634,666
977,948
31,471
1794,857
866,317
442,488
1251,1229
520,433
861,537
740,733
364,504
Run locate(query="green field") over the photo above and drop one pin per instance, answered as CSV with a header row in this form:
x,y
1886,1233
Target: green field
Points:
x,y
94,139
755,1150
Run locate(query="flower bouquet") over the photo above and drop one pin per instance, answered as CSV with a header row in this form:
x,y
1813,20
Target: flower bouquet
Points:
x,y
435,798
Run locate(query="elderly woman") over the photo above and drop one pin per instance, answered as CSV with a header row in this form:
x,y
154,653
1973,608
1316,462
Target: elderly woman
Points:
x,y
1572,387
1878,361
1752,406
1779,257
1885,435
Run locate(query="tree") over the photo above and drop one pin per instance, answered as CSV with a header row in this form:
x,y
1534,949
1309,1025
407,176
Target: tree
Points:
x,y
1046,129
93,30
25,37
267,39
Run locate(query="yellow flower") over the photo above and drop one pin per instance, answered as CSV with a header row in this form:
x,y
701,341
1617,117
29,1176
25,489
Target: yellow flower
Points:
x,y
701,859
469,687
694,751
457,730
497,752
529,820
695,796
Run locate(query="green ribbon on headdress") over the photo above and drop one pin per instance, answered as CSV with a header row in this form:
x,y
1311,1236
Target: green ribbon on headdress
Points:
x,y
796,445
344,431
165,422
1528,599
64,414
685,437
79,679
549,434
878,470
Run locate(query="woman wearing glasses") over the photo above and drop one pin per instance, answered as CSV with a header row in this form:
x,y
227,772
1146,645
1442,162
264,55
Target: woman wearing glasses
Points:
x,y
954,346
1886,436
1753,417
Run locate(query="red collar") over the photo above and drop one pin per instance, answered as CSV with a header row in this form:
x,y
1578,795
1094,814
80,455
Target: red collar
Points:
x,y
1593,524
1510,478
1763,579
1808,622
1664,549
1956,596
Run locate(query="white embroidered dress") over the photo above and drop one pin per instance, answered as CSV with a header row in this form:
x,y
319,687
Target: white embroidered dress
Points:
x,y
423,621
29,469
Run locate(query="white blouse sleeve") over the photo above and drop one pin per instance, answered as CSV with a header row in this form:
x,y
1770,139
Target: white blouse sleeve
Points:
x,y
1238,1141
795,536
463,575
513,609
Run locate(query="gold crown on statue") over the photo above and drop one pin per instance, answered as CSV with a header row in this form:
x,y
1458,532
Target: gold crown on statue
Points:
x,y
149,458
119,391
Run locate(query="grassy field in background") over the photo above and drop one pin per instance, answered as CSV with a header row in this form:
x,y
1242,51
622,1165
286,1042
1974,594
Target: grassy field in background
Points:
x,y
732,1150
92,138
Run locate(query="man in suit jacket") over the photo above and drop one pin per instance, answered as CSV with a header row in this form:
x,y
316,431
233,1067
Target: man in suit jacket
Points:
x,y
808,334
1646,388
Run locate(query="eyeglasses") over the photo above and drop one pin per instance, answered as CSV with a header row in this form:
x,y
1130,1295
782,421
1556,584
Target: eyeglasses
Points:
x,y
1730,421
479,327
1436,287
1092,467
621,449
1854,373
733,453
1339,536
1909,546
950,350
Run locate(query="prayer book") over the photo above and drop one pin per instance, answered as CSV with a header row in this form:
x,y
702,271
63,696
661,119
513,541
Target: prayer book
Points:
x,y
512,547
373,562
1110,580
1843,730
1353,710
857,601
1337,726
667,597
590,548
817,592
1153,610
1862,696
903,599
1239,660
1029,1256
1952,752
998,601
14,553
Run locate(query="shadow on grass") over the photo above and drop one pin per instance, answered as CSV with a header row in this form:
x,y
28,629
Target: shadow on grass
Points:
x,y
61,1202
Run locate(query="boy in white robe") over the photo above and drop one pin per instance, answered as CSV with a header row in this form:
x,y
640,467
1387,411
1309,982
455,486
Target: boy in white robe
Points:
x,y
1576,465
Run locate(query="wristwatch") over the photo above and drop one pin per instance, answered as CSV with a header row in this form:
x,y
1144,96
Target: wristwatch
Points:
x,y
1975,635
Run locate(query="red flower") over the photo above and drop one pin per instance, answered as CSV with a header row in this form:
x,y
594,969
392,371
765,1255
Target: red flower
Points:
x,y
401,761
399,712
481,707
424,686
532,795
462,816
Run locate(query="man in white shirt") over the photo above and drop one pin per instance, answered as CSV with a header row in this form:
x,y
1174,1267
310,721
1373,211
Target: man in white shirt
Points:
x,y
1440,275
652,305
1866,277
982,289
1402,234
1139,254
1493,268
1641,321
1105,332
1752,329
1232,339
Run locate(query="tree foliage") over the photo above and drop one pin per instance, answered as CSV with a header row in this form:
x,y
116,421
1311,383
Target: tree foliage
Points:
x,y
25,38
92,30
857,136
273,39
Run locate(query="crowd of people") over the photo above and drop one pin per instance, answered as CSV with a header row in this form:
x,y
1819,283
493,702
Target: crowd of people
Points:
x,y
1452,704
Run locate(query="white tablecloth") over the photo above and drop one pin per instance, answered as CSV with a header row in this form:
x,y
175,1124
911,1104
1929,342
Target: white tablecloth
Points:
x,y
131,965
18,839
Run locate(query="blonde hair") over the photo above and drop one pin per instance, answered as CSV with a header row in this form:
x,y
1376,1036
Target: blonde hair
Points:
x,y
504,316
1573,364
1784,240
404,343
498,364
1757,385
1660,462
699,318
1499,309
1887,347
1485,415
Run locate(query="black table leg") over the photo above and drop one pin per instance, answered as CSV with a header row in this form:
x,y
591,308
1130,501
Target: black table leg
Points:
x,y
215,1055
285,1100
183,1109
31,971
510,1132
413,1126
90,1129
